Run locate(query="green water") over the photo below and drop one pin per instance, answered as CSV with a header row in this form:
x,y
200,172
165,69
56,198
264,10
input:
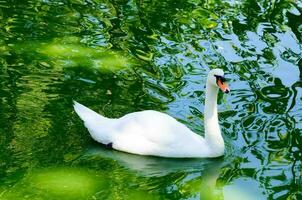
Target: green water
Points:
x,y
117,57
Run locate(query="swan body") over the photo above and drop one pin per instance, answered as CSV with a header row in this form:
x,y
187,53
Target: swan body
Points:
x,y
154,133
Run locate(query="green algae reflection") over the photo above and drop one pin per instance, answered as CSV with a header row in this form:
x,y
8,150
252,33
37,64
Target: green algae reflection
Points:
x,y
60,183
70,52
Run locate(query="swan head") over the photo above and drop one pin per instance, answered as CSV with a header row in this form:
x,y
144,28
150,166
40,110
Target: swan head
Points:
x,y
216,78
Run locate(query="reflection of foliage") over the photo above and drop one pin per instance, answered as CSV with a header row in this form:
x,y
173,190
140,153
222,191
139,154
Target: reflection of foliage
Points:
x,y
197,19
271,124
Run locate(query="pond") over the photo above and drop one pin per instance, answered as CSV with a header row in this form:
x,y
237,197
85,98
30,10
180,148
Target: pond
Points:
x,y
122,56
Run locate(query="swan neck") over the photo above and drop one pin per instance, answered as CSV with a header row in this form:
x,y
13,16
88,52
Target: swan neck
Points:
x,y
211,102
212,129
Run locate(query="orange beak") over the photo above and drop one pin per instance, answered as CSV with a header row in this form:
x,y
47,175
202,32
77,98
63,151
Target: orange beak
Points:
x,y
223,85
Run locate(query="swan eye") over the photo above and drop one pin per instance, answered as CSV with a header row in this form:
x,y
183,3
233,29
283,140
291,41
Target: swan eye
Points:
x,y
221,78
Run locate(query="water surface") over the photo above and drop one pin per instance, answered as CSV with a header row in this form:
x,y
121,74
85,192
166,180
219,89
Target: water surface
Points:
x,y
117,57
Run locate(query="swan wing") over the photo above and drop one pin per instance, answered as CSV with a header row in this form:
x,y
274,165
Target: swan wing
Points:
x,y
155,133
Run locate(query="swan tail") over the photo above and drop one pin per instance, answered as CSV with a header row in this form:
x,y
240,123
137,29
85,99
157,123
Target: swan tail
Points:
x,y
88,115
94,122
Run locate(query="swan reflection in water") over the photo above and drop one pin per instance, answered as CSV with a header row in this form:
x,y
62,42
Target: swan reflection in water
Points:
x,y
195,176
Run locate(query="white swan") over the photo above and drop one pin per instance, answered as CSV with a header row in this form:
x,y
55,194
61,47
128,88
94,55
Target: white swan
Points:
x,y
154,133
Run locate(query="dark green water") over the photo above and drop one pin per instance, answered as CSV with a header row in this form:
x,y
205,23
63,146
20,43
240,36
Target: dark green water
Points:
x,y
118,57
